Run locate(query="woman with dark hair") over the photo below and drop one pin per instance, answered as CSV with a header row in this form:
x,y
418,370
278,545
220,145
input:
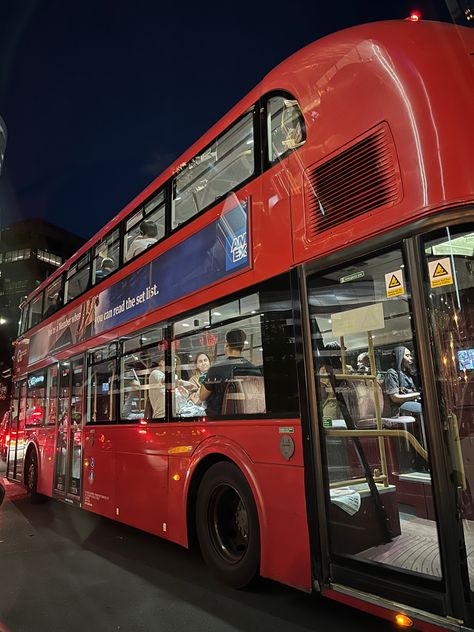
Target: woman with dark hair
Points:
x,y
202,364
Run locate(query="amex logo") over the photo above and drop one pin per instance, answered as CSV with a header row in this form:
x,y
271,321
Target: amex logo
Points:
x,y
238,248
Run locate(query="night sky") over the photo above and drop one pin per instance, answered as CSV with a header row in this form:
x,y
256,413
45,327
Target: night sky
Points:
x,y
100,96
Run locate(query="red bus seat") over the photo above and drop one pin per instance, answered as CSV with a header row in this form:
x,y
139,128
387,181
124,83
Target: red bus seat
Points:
x,y
365,418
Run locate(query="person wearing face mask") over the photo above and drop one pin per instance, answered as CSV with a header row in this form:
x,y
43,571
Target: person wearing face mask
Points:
x,y
399,385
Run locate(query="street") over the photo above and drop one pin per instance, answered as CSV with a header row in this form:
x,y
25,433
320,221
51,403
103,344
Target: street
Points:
x,y
65,569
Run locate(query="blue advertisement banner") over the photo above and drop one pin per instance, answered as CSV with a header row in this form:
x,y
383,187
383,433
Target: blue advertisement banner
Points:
x,y
208,256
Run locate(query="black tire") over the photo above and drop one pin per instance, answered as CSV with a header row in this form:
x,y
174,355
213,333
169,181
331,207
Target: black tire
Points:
x,y
32,478
227,525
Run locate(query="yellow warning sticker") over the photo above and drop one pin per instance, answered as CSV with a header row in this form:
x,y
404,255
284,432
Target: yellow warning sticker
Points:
x,y
394,283
440,272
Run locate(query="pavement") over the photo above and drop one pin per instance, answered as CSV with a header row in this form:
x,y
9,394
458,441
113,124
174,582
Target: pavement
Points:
x,y
13,491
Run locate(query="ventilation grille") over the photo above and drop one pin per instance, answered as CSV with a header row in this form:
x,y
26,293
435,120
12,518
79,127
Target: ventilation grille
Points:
x,y
361,178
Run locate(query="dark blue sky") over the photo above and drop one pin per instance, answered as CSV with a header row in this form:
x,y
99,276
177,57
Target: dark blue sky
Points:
x,y
100,96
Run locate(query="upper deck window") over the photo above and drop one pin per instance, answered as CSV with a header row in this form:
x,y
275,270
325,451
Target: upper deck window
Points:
x,y
24,319
221,168
53,298
145,227
78,278
36,309
106,256
285,127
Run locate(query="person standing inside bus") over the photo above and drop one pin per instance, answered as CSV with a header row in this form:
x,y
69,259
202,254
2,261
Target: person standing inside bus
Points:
x,y
213,384
146,238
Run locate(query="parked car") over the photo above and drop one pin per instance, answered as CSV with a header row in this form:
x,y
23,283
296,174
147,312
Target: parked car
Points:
x,y
4,435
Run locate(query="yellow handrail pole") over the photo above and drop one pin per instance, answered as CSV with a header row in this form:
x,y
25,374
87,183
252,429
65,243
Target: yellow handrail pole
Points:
x,y
380,433
378,413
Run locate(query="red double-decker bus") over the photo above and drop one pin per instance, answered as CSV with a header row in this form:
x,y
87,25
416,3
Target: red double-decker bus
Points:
x,y
270,350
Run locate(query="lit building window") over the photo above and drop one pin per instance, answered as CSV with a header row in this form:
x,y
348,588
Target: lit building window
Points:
x,y
48,257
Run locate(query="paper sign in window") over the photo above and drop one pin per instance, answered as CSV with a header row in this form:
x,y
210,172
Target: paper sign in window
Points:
x,y
357,320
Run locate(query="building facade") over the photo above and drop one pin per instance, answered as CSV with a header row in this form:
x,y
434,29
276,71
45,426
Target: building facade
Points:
x,y
30,250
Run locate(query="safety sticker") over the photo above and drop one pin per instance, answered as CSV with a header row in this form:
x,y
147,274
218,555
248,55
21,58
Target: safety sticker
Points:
x,y
394,283
440,272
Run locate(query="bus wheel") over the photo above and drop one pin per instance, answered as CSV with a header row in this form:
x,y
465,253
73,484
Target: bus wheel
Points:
x,y
32,478
227,525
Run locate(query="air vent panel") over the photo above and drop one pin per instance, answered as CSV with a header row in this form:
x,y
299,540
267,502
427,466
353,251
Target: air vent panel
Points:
x,y
361,178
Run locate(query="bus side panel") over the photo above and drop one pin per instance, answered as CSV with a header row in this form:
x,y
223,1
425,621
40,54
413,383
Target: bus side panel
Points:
x,y
284,535
271,224
45,444
99,472
141,477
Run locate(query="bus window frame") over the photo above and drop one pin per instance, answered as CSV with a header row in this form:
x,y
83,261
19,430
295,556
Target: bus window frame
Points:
x,y
37,298
259,289
257,171
60,304
141,208
24,318
87,258
122,354
94,254
44,373
111,356
264,113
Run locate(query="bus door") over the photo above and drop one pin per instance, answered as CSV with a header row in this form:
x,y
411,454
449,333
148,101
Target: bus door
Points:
x,y
448,280
393,462
68,465
17,432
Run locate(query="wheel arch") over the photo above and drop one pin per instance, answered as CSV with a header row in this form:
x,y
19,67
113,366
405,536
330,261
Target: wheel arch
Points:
x,y
209,455
30,448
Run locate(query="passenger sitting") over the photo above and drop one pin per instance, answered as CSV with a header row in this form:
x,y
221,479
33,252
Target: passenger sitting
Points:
x,y
202,365
156,394
399,386
107,266
363,363
146,238
213,386
53,305
130,408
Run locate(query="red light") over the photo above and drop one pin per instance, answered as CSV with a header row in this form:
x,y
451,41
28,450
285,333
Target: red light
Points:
x,y
415,16
7,439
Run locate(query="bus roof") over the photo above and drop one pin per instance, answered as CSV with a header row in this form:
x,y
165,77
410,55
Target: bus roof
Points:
x,y
321,55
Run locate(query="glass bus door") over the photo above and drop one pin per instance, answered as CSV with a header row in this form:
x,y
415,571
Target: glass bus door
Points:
x,y
16,429
389,521
75,430
449,302
69,430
